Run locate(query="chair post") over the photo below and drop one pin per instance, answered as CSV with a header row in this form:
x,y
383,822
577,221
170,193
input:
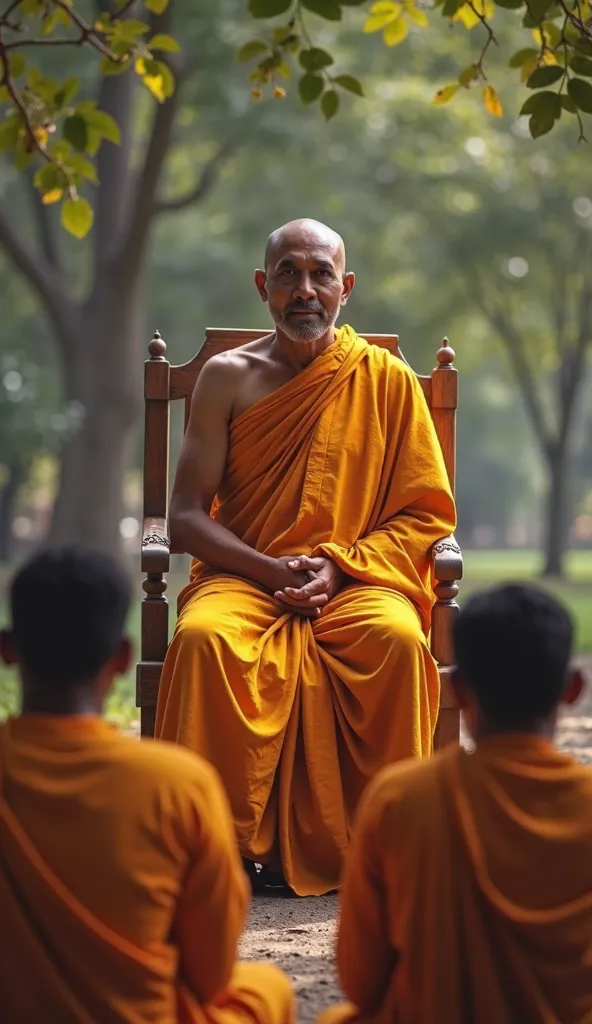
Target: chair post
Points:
x,y
155,540
447,554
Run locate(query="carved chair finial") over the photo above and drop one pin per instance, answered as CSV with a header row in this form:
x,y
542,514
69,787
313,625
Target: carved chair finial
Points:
x,y
157,347
446,355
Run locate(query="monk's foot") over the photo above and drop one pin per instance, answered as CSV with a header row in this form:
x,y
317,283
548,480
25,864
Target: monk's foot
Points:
x,y
254,874
266,881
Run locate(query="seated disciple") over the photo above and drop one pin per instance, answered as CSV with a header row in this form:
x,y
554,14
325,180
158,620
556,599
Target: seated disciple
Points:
x,y
122,894
468,887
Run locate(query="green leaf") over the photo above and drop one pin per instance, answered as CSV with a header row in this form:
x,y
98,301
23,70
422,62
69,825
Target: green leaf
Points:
x,y
102,123
268,8
77,217
9,130
350,83
22,159
66,92
521,57
130,29
76,132
584,46
581,66
544,76
540,124
543,104
581,93
536,12
451,7
468,75
328,9
50,22
157,6
251,49
165,43
17,64
5,96
49,177
85,168
352,3
310,87
510,5
315,59
568,104
329,104
113,67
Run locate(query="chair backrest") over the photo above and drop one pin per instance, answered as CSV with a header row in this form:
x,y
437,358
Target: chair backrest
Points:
x,y
164,383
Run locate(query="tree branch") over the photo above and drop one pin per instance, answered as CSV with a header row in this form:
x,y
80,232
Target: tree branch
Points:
x,y
206,181
44,278
47,237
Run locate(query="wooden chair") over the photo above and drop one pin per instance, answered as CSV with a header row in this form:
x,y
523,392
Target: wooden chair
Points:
x,y
164,384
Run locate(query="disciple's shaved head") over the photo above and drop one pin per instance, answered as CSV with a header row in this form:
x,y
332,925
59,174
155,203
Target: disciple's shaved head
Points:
x,y
303,236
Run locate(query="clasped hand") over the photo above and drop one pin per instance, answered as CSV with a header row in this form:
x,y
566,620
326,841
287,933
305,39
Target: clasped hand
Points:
x,y
316,581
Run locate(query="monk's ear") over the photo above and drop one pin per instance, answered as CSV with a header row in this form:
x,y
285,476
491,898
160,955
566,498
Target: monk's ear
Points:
x,y
574,686
348,284
122,658
461,690
260,284
7,649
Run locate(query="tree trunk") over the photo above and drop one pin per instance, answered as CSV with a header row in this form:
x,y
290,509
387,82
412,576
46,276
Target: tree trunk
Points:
x,y
104,376
556,540
17,473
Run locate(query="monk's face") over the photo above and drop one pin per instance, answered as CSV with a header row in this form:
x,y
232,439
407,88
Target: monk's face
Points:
x,y
305,283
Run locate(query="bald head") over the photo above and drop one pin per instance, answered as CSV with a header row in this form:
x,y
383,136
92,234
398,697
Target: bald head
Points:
x,y
304,280
306,235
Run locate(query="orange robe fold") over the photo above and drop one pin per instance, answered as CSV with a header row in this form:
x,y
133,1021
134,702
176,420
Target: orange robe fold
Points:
x,y
297,714
122,896
467,894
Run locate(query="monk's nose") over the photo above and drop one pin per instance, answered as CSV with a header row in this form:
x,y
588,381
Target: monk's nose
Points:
x,y
304,289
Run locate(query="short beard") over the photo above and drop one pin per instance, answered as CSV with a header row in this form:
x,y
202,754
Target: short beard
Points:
x,y
308,331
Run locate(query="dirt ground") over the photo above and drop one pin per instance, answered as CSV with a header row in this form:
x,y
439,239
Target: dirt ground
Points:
x,y
298,934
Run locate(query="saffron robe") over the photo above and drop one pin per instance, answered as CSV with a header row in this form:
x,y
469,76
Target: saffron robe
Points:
x,y
122,895
467,894
297,714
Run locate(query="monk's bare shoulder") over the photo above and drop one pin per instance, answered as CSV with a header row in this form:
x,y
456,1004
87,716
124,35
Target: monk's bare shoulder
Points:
x,y
226,370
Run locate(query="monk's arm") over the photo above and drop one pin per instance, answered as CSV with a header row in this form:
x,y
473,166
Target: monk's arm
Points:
x,y
365,957
417,504
214,899
199,473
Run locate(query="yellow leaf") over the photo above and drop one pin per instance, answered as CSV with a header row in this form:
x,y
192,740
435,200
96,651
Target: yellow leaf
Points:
x,y
492,101
381,15
445,94
161,84
415,14
527,69
395,32
468,17
53,196
40,134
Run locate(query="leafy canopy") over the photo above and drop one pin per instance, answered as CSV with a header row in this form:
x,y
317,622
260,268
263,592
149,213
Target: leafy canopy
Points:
x,y
44,122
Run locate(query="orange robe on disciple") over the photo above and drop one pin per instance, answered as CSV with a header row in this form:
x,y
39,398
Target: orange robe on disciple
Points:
x,y
467,895
122,895
297,714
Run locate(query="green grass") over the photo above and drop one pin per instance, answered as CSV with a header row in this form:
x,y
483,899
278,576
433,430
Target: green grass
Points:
x,y
482,569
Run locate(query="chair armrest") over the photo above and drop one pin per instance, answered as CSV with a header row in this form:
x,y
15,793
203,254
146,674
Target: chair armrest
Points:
x,y
156,545
447,562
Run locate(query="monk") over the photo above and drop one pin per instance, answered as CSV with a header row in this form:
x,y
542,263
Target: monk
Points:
x,y
467,894
122,895
310,488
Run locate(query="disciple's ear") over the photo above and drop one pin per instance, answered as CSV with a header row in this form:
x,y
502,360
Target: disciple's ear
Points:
x,y
348,283
260,284
7,651
574,686
122,658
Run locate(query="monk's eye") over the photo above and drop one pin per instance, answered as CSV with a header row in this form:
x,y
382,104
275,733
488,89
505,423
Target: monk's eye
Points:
x,y
324,273
287,272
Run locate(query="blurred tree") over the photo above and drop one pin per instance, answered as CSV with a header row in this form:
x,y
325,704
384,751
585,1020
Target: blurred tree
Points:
x,y
96,304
